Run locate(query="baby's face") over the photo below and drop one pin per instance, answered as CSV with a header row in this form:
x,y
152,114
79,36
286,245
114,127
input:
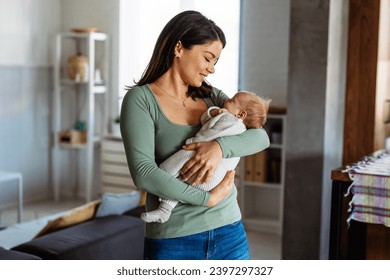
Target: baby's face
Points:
x,y
233,105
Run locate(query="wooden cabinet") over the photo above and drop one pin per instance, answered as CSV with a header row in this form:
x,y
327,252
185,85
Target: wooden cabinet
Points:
x,y
261,181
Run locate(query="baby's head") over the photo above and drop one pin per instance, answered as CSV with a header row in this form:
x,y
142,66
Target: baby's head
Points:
x,y
249,107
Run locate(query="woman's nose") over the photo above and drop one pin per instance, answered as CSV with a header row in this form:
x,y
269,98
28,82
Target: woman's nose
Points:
x,y
210,68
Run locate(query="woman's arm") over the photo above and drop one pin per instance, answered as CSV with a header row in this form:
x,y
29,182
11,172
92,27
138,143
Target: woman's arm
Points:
x,y
247,143
209,154
137,129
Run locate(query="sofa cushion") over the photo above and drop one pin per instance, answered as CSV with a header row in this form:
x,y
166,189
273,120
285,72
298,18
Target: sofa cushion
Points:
x,y
15,255
105,238
118,203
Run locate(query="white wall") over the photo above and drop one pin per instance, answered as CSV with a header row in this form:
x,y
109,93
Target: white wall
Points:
x,y
26,29
334,109
264,48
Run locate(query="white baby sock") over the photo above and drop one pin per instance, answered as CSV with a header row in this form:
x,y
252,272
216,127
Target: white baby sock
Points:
x,y
160,215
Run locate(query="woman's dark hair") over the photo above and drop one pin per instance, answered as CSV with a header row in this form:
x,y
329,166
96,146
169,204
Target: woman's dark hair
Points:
x,y
190,28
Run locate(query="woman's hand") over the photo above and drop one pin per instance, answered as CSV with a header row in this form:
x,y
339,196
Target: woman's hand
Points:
x,y
222,189
208,156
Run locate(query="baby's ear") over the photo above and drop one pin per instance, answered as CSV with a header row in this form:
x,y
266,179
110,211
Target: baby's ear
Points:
x,y
242,115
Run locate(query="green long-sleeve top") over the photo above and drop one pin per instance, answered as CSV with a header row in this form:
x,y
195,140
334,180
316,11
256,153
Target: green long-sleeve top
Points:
x,y
150,137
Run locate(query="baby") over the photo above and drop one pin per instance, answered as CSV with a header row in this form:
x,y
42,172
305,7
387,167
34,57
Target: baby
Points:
x,y
244,110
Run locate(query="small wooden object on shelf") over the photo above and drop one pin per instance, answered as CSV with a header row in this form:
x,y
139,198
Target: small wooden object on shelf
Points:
x,y
72,137
256,167
84,29
77,67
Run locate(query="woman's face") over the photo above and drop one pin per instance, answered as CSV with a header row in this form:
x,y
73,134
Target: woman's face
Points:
x,y
195,64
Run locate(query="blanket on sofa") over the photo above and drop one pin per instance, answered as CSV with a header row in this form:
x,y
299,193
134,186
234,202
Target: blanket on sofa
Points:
x,y
23,232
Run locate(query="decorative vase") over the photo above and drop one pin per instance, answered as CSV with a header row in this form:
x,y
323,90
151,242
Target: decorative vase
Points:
x,y
77,67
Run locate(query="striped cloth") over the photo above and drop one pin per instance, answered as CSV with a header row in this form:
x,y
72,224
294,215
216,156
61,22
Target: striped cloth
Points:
x,y
371,190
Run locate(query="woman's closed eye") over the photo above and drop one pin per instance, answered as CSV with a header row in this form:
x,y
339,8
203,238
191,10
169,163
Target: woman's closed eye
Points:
x,y
209,60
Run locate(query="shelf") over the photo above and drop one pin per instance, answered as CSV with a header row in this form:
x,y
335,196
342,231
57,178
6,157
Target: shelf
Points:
x,y
276,146
276,116
77,100
113,136
97,89
261,180
272,186
96,142
97,36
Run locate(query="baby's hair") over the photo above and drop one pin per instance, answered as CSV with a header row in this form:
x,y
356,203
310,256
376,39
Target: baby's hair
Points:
x,y
256,108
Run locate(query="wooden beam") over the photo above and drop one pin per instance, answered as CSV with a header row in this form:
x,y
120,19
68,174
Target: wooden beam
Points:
x,y
359,124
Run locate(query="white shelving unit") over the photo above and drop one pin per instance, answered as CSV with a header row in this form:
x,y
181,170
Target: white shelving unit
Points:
x,y
261,197
75,100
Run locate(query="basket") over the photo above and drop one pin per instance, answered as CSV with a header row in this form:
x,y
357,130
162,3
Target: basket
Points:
x,y
72,137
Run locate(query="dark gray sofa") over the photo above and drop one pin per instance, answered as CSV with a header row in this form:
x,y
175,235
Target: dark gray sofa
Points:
x,y
119,237
15,255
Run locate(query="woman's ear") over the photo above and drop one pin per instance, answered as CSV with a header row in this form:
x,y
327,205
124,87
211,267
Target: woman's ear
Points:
x,y
178,49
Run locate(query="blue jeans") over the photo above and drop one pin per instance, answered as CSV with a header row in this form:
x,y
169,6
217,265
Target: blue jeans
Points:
x,y
225,243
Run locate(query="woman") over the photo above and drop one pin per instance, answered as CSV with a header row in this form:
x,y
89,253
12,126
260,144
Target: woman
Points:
x,y
157,116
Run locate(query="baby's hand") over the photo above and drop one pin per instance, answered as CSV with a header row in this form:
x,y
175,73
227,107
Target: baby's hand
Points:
x,y
216,112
